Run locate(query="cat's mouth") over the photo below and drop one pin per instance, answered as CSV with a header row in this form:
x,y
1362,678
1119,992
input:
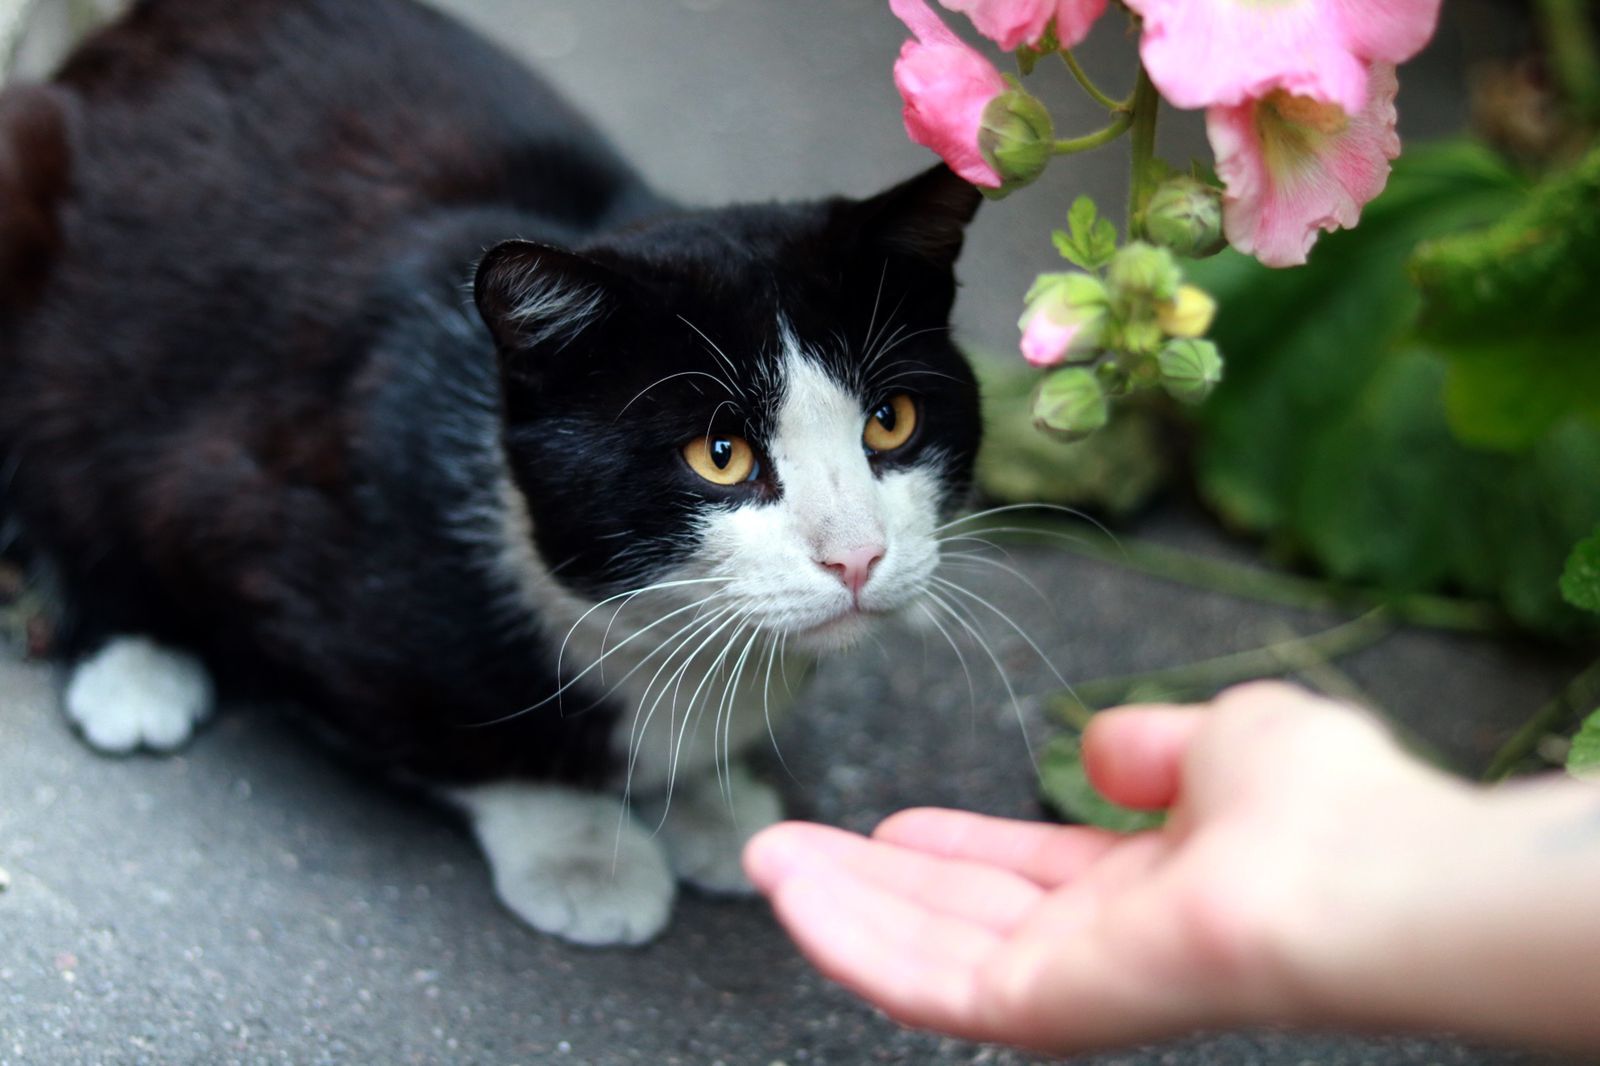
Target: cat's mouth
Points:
x,y
844,630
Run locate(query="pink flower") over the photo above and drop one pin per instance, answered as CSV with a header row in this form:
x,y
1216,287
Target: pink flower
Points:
x,y
1204,53
1013,23
1292,166
946,84
1046,342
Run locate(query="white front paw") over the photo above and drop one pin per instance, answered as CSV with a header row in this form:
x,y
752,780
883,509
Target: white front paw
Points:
x,y
707,825
572,863
133,693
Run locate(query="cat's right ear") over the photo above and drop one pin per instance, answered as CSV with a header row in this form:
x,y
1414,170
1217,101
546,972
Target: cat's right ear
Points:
x,y
535,296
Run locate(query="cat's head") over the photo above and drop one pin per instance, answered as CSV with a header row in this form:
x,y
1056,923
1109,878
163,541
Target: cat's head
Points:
x,y
764,401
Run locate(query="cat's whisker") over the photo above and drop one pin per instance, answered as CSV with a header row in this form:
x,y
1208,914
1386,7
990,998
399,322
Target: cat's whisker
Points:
x,y
972,689
968,558
689,714
642,718
725,710
626,598
973,631
722,356
671,377
1009,621
775,648
563,687
1072,512
674,683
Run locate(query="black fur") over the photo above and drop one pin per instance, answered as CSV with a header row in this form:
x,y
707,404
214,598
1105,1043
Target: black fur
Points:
x,y
254,404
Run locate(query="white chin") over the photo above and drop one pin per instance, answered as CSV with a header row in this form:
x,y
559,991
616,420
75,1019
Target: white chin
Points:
x,y
836,634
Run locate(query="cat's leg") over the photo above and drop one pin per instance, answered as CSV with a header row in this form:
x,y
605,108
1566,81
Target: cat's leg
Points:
x,y
571,863
133,693
704,823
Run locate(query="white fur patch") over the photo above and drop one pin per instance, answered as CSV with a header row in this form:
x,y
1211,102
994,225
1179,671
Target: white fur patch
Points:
x,y
134,693
706,825
572,863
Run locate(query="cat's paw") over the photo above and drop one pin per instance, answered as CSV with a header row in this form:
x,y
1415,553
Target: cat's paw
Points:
x,y
706,828
135,693
572,863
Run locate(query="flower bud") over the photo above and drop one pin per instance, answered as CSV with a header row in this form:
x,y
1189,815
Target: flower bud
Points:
x,y
1070,404
1142,272
1016,138
1190,369
1065,317
1185,215
1187,314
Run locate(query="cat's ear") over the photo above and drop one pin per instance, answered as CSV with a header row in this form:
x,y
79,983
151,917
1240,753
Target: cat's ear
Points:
x,y
924,219
534,295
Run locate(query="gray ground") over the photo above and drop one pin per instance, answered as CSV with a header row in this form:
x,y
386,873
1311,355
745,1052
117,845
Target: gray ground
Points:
x,y
252,901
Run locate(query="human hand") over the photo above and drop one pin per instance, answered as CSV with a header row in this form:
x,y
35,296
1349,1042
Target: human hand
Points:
x,y
1297,831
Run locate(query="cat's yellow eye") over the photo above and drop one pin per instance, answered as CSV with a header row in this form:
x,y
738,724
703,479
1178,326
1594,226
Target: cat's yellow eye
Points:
x,y
891,425
721,460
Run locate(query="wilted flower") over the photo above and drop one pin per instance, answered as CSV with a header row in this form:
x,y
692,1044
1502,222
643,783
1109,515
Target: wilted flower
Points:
x,y
1293,167
1014,23
946,85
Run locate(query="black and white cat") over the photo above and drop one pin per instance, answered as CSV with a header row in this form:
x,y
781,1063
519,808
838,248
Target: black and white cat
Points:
x,y
341,362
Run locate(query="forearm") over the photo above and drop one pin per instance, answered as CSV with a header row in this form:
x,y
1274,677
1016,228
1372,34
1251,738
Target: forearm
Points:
x,y
1491,927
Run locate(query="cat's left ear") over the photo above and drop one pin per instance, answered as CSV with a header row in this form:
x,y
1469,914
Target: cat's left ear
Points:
x,y
535,295
923,220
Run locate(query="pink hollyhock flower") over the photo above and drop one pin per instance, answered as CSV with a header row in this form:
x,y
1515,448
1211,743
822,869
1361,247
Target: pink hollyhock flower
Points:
x,y
1204,53
1292,166
1045,341
946,84
1014,23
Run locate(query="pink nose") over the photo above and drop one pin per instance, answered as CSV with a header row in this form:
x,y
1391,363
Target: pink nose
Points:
x,y
853,566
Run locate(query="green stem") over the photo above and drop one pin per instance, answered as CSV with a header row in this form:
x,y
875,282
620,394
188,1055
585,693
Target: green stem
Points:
x,y
1577,699
1146,108
1208,675
1251,582
1569,38
1083,79
1094,140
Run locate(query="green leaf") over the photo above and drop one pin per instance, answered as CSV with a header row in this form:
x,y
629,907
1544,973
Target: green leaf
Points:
x,y
1583,760
1580,580
1332,432
1067,790
1089,241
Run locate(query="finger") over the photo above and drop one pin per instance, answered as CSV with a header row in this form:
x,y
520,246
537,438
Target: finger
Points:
x,y
993,898
915,965
1134,756
1048,855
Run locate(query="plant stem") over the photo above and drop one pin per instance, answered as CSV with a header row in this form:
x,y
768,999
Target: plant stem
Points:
x,y
1200,678
1146,108
1578,698
1118,127
1088,84
1569,39
1254,583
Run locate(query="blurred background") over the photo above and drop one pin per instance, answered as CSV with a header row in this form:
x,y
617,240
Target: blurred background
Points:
x,y
1379,500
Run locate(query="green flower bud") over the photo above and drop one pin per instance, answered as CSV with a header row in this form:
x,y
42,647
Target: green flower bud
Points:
x,y
1141,272
1070,404
1016,137
1190,369
1185,215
